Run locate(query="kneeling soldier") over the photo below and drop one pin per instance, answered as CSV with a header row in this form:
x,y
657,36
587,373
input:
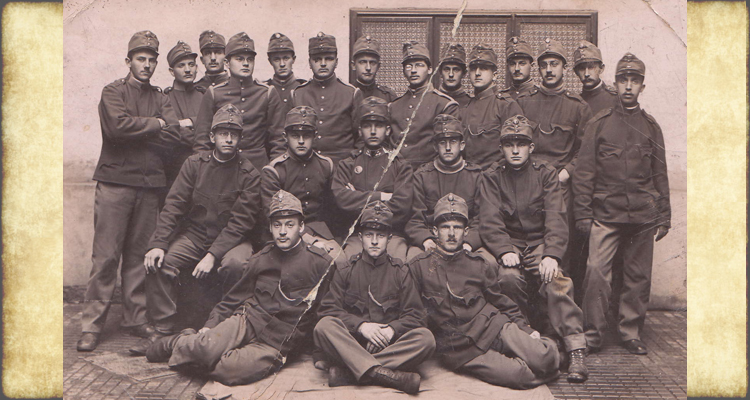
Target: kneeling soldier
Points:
x,y
478,330
373,317
266,314
525,227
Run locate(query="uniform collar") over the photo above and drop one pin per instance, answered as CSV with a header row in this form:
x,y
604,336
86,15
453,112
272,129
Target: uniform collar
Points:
x,y
363,85
291,154
216,77
183,87
130,79
294,250
375,153
559,89
242,83
447,256
527,84
283,82
520,169
326,81
489,92
449,169
453,93
627,111
419,89
596,88
376,262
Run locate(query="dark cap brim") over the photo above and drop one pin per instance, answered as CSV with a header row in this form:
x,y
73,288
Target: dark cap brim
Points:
x,y
214,46
309,128
630,71
151,49
375,225
322,50
585,60
445,135
445,217
514,136
284,213
279,50
225,125
416,57
374,118
194,55
366,51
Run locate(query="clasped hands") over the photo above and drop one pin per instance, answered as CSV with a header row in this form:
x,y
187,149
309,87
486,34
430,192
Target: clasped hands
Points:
x,y
378,336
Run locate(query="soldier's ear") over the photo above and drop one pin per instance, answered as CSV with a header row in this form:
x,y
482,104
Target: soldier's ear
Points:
x,y
434,230
212,137
301,225
127,62
353,65
461,146
171,71
531,147
387,130
602,67
359,235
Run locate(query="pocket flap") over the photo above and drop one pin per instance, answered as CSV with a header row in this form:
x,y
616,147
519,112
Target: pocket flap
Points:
x,y
608,149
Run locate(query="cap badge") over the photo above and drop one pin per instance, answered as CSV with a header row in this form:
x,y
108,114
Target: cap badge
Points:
x,y
515,40
277,35
358,169
320,34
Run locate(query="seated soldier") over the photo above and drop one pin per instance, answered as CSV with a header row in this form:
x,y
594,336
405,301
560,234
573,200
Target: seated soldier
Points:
x,y
306,174
209,210
266,314
479,331
524,225
372,318
356,176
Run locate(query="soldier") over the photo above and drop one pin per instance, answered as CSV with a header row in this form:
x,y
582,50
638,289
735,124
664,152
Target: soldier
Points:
x,y
623,158
452,70
260,106
524,226
136,121
417,71
588,65
305,174
212,56
365,64
356,176
333,100
372,319
479,331
520,60
265,316
281,56
211,208
487,110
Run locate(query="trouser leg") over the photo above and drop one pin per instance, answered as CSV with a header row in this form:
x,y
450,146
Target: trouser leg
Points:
x,y
249,363
514,285
205,349
233,265
603,243
331,335
410,350
637,251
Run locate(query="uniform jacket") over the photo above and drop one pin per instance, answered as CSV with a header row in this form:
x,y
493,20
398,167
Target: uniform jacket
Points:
x,y
336,104
417,148
558,118
515,90
465,307
363,169
459,95
285,89
307,179
601,97
623,170
377,90
132,138
482,119
216,204
374,290
212,80
431,183
272,292
524,208
186,102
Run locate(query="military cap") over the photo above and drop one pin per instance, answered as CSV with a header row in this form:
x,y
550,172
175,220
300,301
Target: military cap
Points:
x,y
629,63
586,52
376,215
178,52
211,39
284,204
228,116
413,50
552,47
322,43
374,108
240,43
447,126
483,54
279,42
450,206
516,128
143,40
518,48
453,53
301,118
366,45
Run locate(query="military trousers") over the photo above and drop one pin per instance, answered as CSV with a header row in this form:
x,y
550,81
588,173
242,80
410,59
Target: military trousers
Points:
x,y
124,219
636,242
179,262
550,307
515,360
407,352
396,247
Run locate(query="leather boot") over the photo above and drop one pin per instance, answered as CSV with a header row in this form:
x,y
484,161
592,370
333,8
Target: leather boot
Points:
x,y
161,349
577,371
88,341
340,376
407,382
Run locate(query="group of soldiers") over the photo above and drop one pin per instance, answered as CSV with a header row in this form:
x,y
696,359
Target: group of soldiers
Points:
x,y
240,194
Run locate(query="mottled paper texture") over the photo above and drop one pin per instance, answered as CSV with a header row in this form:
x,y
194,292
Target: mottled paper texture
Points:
x,y
32,200
717,167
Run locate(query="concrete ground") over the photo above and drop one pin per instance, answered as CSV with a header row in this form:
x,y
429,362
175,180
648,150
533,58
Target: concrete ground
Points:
x,y
110,373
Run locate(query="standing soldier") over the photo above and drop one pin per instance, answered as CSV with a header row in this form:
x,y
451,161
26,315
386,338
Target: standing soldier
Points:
x,y
520,60
136,121
365,64
281,56
259,104
372,319
417,127
356,176
452,70
212,56
483,117
588,65
333,100
622,200
479,331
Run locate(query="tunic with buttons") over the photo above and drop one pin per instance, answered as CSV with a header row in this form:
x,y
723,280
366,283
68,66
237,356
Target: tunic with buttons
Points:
x,y
417,148
600,98
309,180
186,101
482,119
132,138
262,118
377,90
465,306
459,95
523,207
215,203
516,90
336,104
374,290
209,80
285,89
432,181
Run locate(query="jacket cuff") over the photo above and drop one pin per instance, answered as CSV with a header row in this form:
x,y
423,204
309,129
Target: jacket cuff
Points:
x,y
502,250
